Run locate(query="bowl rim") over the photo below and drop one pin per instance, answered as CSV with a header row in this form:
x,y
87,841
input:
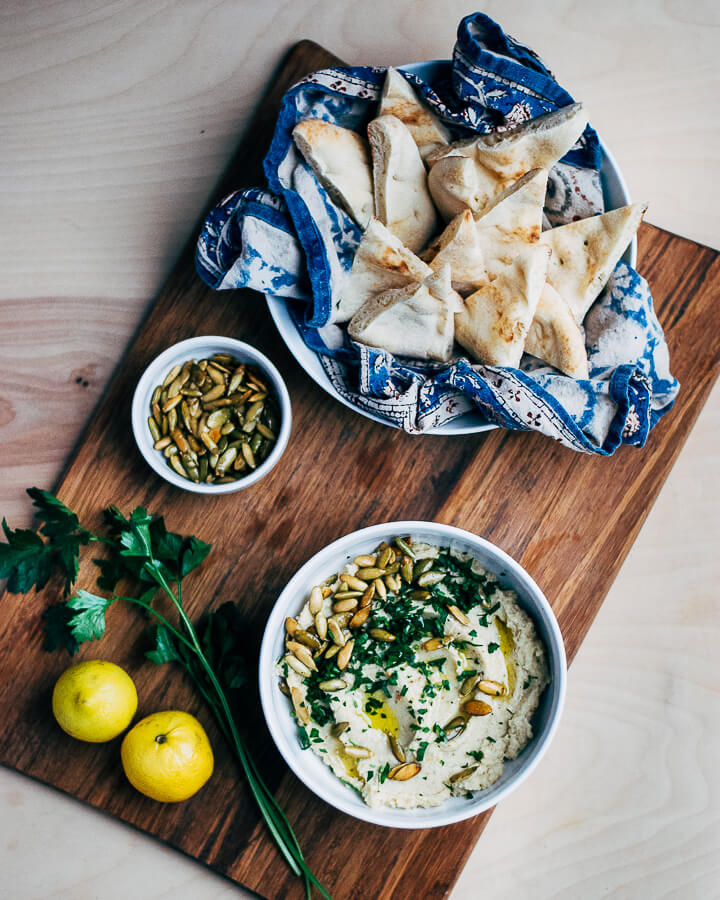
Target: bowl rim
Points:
x,y
147,382
344,798
308,359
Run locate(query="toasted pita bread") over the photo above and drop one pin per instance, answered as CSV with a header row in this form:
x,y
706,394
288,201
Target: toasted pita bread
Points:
x,y
416,321
516,214
555,337
381,262
400,100
497,160
340,160
458,247
585,252
402,201
495,319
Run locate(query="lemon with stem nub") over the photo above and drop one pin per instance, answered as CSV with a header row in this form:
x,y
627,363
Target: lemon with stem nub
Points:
x,y
167,756
94,701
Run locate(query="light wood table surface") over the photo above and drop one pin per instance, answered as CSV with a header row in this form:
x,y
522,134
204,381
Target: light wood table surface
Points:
x,y
116,119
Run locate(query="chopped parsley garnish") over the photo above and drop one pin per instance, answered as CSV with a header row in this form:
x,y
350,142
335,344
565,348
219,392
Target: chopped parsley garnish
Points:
x,y
476,755
492,647
422,747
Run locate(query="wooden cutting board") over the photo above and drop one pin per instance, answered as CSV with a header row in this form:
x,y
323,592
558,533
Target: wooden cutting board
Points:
x,y
570,519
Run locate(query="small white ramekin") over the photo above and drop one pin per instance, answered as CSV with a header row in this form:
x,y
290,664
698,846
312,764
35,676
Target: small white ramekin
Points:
x,y
311,770
201,348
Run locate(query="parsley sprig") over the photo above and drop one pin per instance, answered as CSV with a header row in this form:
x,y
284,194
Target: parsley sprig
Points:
x,y
140,551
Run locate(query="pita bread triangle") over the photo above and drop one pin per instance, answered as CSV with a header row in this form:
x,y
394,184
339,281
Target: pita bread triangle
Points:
x,y
584,254
459,247
402,200
497,160
416,321
381,262
516,214
340,160
399,99
495,319
555,337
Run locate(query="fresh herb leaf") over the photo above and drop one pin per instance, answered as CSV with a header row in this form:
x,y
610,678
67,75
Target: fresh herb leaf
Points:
x,y
492,647
165,649
88,623
476,754
29,558
25,560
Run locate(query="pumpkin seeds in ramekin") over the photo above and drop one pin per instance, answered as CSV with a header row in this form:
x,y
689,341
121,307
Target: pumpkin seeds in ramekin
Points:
x,y
218,415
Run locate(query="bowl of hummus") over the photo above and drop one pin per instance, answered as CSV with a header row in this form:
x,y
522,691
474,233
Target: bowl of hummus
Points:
x,y
412,674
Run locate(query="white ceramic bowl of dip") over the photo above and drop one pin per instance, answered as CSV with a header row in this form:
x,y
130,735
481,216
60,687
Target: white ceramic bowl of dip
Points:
x,y
201,348
311,770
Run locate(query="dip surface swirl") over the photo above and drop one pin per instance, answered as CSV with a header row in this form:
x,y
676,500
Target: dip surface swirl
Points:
x,y
416,684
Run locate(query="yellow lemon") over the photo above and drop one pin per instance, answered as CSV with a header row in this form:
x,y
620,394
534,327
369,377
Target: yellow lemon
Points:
x,y
167,756
94,701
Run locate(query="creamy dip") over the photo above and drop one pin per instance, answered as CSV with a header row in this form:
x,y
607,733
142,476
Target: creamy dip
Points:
x,y
438,688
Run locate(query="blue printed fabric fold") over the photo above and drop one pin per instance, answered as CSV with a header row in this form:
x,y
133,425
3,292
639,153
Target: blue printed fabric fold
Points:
x,y
292,241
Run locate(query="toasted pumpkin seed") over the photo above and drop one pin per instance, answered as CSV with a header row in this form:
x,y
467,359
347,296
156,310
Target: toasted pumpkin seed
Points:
x,y
309,640
162,443
301,711
367,597
380,588
248,455
458,615
468,686
345,605
385,557
154,430
346,595
284,689
422,565
344,655
435,643
178,466
338,728
396,749
332,685
405,771
492,688
335,631
332,650
406,569
172,403
302,653
364,561
427,579
291,625
353,582
360,618
265,432
225,461
358,752
477,708
172,375
321,625
462,774
215,393
369,573
420,595
297,665
342,618
380,634
404,545
316,600
455,727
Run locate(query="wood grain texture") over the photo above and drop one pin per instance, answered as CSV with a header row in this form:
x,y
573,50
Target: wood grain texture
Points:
x,y
540,502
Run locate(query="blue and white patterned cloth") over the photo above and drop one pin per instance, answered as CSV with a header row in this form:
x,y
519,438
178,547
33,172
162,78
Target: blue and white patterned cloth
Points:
x,y
292,241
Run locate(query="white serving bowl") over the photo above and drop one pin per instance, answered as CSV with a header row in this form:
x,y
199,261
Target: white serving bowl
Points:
x,y
615,194
201,348
311,770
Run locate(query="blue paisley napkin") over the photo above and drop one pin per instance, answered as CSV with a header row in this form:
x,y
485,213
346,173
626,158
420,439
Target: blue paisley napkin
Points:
x,y
292,241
